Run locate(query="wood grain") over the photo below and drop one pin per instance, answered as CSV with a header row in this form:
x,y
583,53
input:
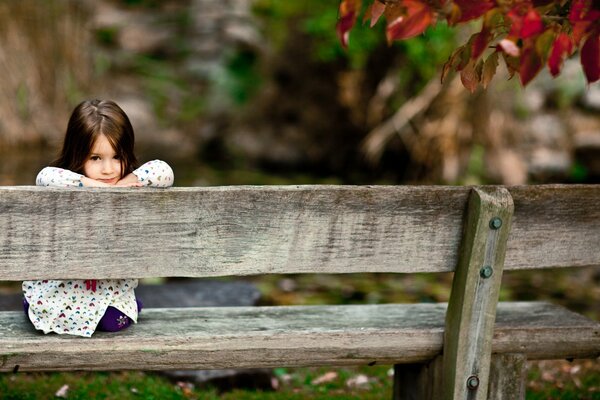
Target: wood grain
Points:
x,y
50,233
472,306
244,337
508,377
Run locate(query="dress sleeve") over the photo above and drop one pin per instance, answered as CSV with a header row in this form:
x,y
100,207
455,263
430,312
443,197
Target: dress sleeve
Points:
x,y
155,173
58,177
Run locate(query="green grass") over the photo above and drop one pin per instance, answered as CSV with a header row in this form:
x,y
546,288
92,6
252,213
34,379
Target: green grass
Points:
x,y
547,380
298,384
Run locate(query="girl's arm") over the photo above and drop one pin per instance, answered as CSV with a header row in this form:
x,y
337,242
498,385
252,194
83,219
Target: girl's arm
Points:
x,y
154,173
59,177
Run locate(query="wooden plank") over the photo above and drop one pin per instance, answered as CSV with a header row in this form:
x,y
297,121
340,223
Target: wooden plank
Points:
x,y
49,233
508,376
475,290
246,337
554,226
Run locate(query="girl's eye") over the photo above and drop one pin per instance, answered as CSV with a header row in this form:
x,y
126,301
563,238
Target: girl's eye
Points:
x,y
117,157
94,158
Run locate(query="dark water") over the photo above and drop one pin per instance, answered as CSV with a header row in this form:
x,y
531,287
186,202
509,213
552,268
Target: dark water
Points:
x,y
20,166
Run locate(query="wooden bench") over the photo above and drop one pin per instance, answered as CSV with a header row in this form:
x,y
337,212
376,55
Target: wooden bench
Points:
x,y
472,348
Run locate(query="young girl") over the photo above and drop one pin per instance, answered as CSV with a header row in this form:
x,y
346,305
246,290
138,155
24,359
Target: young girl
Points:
x,y
97,152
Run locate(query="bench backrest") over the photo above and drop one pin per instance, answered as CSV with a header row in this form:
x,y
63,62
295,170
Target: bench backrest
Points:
x,y
197,232
48,233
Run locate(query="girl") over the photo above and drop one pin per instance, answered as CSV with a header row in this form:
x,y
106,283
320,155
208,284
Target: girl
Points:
x,y
97,152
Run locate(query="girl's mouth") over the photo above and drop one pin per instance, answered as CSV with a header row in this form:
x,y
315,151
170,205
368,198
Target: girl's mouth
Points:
x,y
109,181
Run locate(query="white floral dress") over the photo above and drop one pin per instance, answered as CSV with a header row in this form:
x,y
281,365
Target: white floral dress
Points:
x,y
75,307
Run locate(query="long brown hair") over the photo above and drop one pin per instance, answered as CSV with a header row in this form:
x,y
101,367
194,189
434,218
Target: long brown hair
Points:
x,y
90,119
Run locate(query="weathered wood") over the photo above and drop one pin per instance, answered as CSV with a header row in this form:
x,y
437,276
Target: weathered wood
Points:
x,y
418,381
508,376
475,289
49,233
246,337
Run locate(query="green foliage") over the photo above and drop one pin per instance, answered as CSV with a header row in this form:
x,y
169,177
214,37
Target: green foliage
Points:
x,y
317,19
425,54
172,96
243,78
578,173
319,26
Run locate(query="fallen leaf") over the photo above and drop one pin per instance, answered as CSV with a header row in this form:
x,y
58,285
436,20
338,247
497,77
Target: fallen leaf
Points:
x,y
327,377
357,381
62,392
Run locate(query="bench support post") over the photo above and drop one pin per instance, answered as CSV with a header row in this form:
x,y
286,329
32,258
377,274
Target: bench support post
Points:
x,y
472,307
508,374
418,381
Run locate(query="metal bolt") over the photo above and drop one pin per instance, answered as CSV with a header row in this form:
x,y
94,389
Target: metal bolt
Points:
x,y
486,272
495,223
472,382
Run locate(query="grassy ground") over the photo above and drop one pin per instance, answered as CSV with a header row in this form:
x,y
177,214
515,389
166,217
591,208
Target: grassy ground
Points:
x,y
580,379
548,380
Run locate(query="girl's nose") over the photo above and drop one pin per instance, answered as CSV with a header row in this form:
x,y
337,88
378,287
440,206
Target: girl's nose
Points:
x,y
107,167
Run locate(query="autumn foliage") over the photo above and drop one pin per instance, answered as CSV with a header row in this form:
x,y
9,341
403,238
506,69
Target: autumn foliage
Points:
x,y
525,34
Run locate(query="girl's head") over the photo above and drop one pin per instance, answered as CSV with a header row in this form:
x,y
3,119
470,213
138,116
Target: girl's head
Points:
x,y
91,120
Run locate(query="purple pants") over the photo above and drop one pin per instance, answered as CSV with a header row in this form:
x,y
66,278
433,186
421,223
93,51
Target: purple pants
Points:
x,y
113,320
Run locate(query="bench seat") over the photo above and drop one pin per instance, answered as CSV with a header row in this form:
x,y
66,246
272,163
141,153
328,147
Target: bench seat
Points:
x,y
240,337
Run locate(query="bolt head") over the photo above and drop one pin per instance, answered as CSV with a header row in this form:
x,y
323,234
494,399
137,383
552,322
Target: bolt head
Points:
x,y
495,223
472,382
486,272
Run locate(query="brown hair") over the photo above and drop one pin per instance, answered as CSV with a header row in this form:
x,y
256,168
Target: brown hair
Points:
x,y
90,119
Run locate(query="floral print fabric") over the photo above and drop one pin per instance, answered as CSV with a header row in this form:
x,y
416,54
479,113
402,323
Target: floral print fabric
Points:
x,y
70,307
73,306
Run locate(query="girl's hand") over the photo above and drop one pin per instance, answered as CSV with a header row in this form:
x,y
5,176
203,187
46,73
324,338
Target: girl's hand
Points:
x,y
89,182
125,182
129,180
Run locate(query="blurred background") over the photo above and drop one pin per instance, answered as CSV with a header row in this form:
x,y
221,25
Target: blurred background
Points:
x,y
261,92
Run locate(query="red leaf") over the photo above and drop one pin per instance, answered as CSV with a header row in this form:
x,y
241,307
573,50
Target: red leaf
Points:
x,y
410,20
561,48
471,9
516,19
454,61
580,29
584,10
531,63
489,69
590,57
481,42
525,22
583,16
512,64
483,38
348,13
376,11
471,75
532,24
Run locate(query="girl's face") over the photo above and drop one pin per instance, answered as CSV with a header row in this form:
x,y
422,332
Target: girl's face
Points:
x,y
103,164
